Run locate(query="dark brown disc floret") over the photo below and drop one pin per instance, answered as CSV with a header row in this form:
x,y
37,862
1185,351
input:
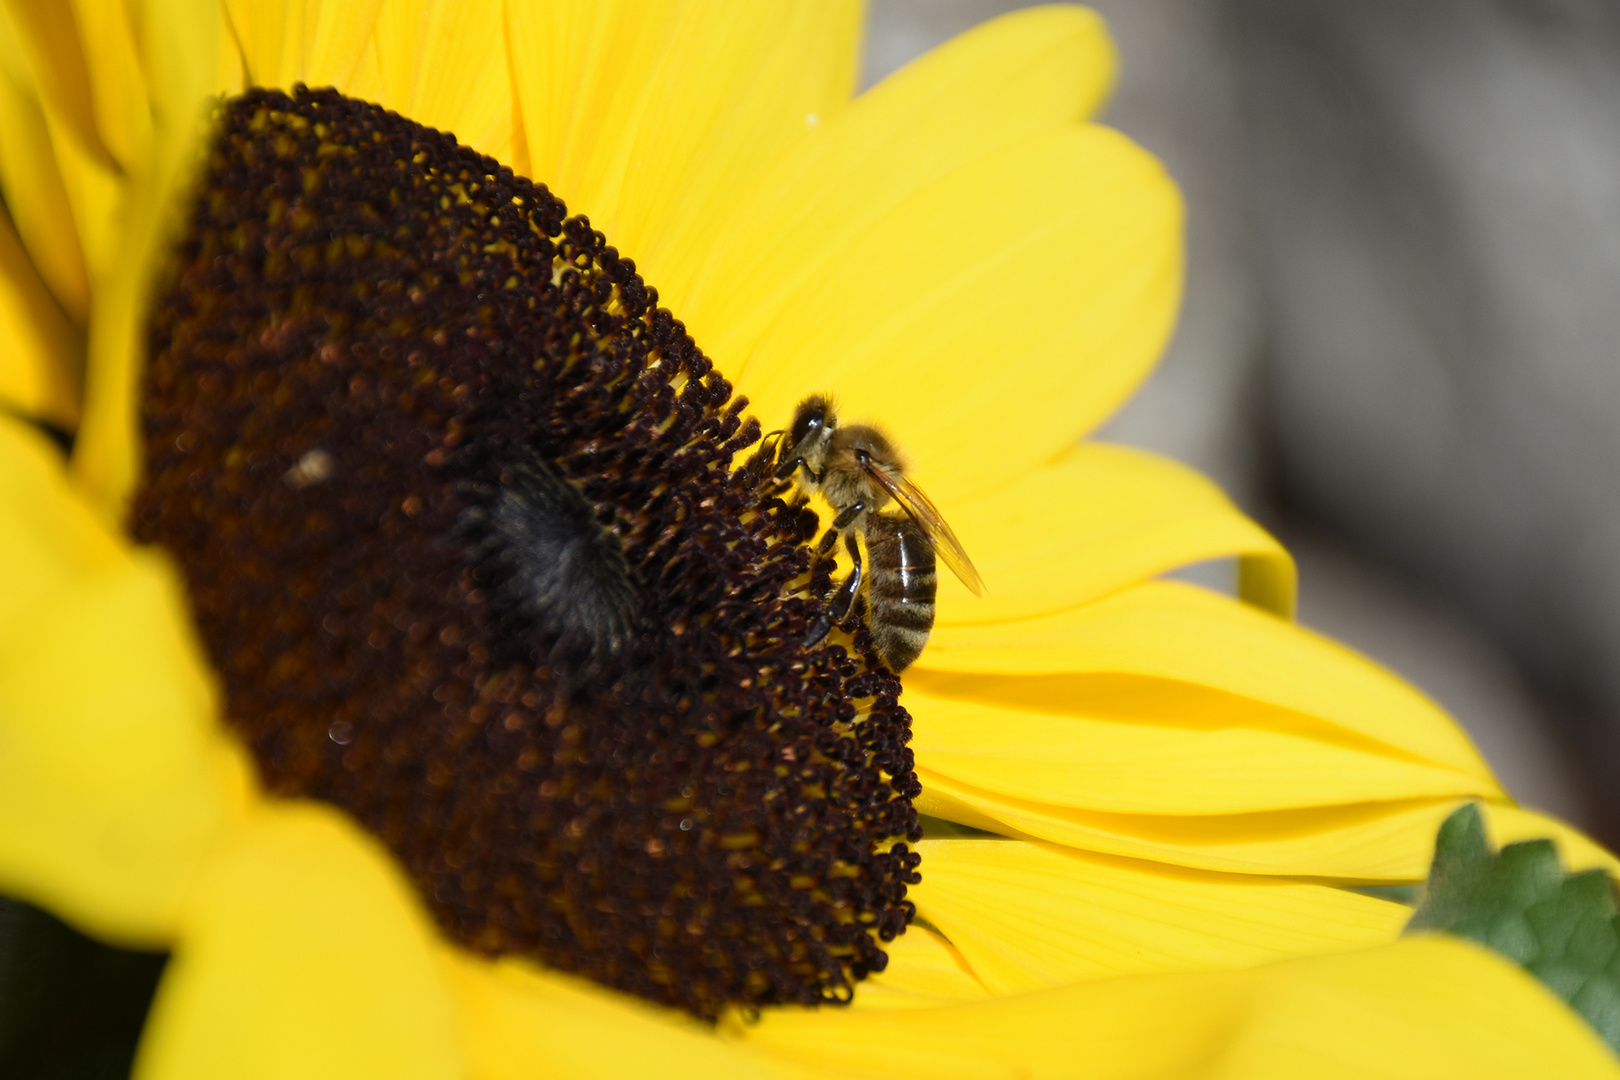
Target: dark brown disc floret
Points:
x,y
454,499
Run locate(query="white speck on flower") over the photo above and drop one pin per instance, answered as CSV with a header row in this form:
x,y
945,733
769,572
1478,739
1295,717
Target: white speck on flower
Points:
x,y
312,468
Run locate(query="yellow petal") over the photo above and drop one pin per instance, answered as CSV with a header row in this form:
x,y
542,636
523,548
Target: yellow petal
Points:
x,y
652,118
48,37
41,352
991,318
924,969
117,89
48,537
319,42
304,954
1149,746
113,780
518,1022
1094,520
697,150
32,183
180,42
1170,630
581,74
95,192
1031,916
1422,1008
1026,72
444,64
1372,842
83,82
1508,824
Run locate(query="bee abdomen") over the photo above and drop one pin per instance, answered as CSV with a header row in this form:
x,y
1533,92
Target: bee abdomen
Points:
x,y
901,583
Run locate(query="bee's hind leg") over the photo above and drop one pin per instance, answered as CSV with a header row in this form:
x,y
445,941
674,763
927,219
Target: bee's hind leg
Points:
x,y
843,598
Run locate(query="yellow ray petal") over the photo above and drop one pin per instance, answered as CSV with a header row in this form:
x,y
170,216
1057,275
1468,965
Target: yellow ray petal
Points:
x,y
32,183
47,535
697,150
1094,520
653,118
1422,1008
180,43
581,75
518,1022
304,954
319,42
993,317
1375,842
1031,916
1148,746
95,191
41,352
1508,824
267,34
444,64
1171,630
342,31
113,781
117,89
924,969
48,38
1028,71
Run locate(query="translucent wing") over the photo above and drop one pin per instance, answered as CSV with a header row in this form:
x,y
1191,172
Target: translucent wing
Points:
x,y
927,516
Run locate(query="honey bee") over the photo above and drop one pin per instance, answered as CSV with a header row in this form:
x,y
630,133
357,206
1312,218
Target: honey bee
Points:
x,y
858,471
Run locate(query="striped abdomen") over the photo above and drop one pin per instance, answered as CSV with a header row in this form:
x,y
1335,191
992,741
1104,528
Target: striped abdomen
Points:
x,y
900,585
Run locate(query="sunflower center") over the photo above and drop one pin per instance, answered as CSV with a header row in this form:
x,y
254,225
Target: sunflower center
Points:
x,y
455,504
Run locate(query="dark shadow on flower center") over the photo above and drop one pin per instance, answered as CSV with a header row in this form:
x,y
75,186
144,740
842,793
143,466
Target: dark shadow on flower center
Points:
x,y
455,504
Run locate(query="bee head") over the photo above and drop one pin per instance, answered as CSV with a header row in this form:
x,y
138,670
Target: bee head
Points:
x,y
813,421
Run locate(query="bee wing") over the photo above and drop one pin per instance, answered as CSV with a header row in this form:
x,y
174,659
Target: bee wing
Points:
x,y
928,518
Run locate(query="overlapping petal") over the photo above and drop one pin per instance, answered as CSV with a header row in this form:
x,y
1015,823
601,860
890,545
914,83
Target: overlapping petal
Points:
x,y
115,781
658,160
302,952
1026,916
1365,842
1171,631
1142,746
178,42
517,1022
993,316
32,182
1032,71
1420,1008
1094,520
41,351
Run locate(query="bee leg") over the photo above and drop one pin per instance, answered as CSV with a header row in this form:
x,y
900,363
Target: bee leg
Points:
x,y
827,542
846,517
817,631
852,584
844,597
755,468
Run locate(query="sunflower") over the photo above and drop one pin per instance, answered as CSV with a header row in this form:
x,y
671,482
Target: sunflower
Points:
x,y
1140,801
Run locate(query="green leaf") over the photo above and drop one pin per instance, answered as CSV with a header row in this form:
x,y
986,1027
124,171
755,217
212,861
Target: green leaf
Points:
x,y
1562,928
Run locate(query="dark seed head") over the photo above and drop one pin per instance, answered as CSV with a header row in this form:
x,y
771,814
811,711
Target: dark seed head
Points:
x,y
455,504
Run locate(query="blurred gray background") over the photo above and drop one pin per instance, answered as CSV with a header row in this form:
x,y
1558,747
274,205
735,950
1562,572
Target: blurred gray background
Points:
x,y
1400,345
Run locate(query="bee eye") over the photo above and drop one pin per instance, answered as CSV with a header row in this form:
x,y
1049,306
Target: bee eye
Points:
x,y
806,421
